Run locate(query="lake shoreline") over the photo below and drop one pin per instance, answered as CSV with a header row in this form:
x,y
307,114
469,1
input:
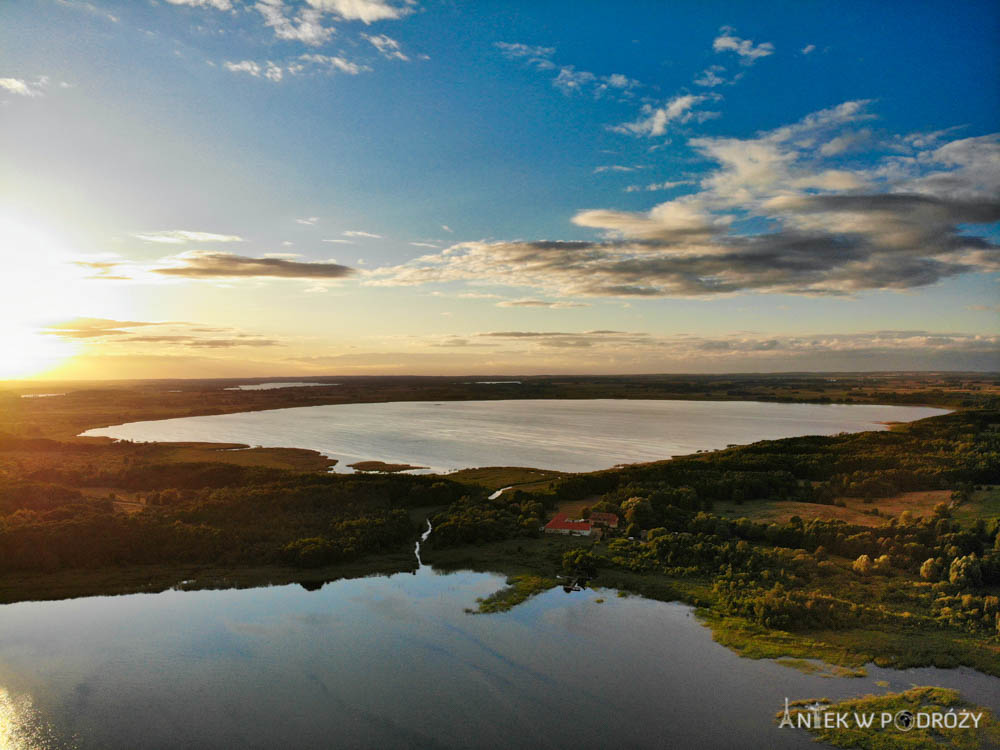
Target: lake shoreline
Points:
x,y
567,435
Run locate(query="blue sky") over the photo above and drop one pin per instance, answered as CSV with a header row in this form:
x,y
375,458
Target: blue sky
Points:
x,y
376,186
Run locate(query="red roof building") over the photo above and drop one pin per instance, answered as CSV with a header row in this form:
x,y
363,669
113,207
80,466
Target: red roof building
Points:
x,y
604,519
563,525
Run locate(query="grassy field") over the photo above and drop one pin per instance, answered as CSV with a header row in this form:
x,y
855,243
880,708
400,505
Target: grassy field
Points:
x,y
855,510
498,477
984,504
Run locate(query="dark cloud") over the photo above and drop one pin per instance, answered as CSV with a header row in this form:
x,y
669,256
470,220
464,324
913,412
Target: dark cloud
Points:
x,y
771,218
208,265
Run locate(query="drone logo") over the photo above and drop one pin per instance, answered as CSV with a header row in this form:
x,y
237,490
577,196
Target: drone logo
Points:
x,y
904,721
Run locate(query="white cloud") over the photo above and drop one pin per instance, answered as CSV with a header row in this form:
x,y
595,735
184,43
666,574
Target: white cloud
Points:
x,y
654,120
182,236
24,88
570,80
359,233
387,46
366,11
539,56
710,76
845,142
268,70
217,4
654,186
311,221
307,28
808,48
446,228
335,64
613,168
749,53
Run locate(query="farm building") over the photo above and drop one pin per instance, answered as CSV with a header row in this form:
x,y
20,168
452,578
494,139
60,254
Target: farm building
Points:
x,y
563,525
604,519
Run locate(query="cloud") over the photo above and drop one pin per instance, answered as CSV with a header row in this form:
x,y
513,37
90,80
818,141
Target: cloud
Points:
x,y
269,70
334,64
217,4
89,8
359,233
183,236
808,49
307,28
102,270
85,328
732,351
448,229
540,303
655,186
710,76
654,120
614,168
770,217
387,46
749,53
845,142
212,265
198,343
569,80
426,244
366,11
311,221
113,334
21,87
538,56
340,242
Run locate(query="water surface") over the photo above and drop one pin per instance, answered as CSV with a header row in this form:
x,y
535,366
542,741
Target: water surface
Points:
x,y
395,662
273,386
564,435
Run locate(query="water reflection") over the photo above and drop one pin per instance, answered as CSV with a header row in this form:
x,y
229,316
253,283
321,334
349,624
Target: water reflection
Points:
x,y
395,662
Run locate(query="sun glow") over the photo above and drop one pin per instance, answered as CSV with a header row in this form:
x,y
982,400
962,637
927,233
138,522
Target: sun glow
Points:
x,y
41,285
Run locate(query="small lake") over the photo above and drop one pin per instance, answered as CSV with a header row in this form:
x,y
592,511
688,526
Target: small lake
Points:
x,y
273,386
563,435
395,662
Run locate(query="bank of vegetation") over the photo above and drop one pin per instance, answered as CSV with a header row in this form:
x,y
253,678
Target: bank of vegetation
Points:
x,y
909,589
913,590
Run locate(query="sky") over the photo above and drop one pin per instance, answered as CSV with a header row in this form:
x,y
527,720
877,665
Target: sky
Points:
x,y
230,188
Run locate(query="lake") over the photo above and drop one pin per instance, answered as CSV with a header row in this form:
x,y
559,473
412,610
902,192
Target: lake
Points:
x,y
563,435
273,386
396,662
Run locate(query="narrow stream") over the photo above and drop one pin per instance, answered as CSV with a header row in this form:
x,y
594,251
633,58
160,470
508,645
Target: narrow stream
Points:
x,y
423,538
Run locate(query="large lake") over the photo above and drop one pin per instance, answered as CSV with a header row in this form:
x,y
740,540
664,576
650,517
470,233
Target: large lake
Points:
x,y
564,435
395,662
